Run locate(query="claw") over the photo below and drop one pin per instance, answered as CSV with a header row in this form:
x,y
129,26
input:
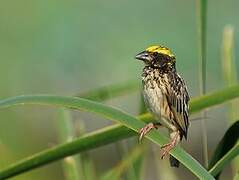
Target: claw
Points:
x,y
168,147
143,131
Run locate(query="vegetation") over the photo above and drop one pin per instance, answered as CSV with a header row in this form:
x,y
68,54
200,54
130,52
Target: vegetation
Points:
x,y
76,141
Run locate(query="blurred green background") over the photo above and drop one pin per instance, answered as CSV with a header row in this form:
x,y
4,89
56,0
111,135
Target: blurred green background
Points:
x,y
68,47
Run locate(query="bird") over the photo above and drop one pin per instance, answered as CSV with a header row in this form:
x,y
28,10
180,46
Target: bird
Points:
x,y
166,96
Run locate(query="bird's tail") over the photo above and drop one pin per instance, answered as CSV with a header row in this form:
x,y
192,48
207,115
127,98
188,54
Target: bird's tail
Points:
x,y
173,162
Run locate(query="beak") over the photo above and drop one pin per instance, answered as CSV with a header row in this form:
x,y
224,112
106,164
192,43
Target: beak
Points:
x,y
143,56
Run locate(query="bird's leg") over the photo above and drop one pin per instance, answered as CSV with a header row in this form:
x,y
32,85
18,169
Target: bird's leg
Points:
x,y
174,141
143,131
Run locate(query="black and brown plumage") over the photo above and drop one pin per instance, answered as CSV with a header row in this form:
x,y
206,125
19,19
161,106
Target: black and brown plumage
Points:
x,y
166,96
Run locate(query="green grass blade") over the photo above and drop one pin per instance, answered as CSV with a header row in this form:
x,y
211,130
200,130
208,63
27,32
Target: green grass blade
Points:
x,y
94,107
228,60
78,166
215,98
116,132
123,165
228,141
123,151
135,169
217,168
103,94
202,22
87,167
230,76
138,164
66,133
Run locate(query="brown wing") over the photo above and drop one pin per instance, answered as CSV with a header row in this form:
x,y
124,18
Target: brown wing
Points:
x,y
178,98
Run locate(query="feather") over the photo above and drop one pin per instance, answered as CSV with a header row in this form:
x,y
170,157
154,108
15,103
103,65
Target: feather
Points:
x,y
178,98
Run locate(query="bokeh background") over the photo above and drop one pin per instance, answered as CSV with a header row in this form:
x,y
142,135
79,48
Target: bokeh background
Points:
x,y
68,47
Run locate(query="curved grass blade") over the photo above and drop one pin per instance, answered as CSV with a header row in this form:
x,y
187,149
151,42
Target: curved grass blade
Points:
x,y
118,132
217,168
228,141
138,164
100,109
103,94
133,170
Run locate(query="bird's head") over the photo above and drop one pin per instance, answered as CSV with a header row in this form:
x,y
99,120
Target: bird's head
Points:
x,y
157,57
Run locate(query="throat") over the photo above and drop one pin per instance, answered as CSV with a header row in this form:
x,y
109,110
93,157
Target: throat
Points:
x,y
161,70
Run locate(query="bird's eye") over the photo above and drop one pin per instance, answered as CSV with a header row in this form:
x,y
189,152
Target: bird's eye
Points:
x,y
155,53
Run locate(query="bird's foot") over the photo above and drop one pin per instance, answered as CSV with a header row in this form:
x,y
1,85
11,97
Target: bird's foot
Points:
x,y
168,147
143,131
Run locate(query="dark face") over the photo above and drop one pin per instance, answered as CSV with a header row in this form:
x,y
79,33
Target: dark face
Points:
x,y
156,59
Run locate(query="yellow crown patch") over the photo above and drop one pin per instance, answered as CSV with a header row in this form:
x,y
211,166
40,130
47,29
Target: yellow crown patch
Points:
x,y
161,50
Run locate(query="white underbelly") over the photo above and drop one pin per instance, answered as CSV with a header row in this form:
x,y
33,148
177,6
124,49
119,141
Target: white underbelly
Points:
x,y
157,105
153,99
